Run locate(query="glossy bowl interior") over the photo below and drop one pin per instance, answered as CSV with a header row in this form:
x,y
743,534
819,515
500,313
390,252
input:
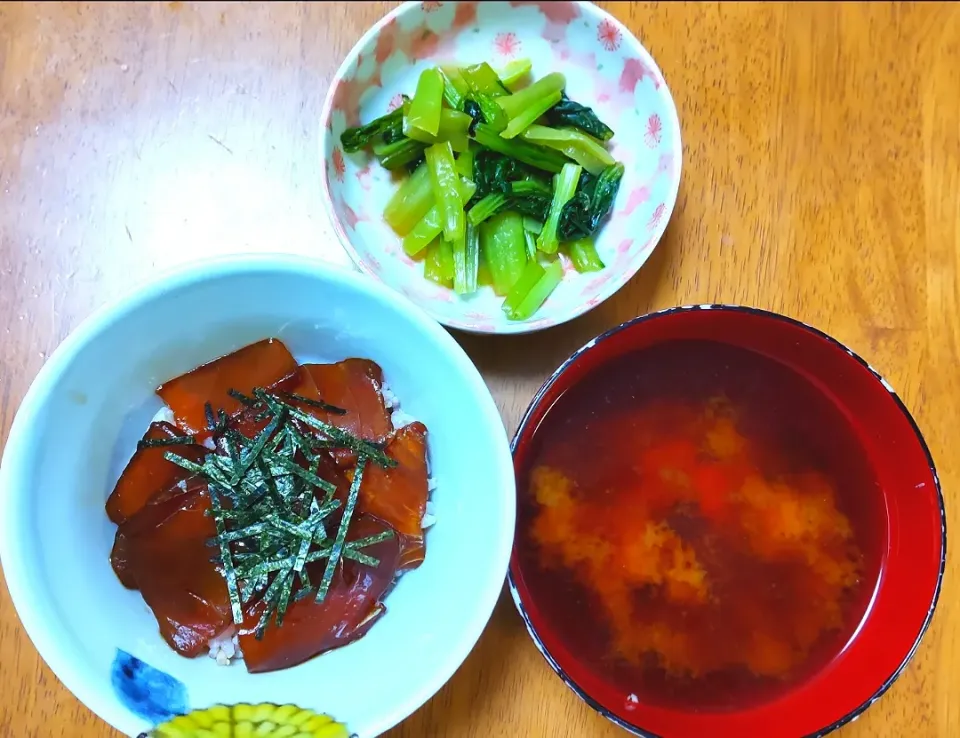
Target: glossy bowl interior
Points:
x,y
912,560
606,67
80,422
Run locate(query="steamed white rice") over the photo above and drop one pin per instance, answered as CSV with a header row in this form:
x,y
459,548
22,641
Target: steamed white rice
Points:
x,y
225,647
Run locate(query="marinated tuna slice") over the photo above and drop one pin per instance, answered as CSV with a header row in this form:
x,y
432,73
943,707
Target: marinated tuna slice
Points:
x,y
398,495
349,609
413,551
148,473
148,518
265,364
163,551
354,385
298,390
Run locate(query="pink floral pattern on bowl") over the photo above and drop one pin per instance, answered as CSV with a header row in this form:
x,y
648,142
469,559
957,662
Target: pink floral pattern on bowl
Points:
x,y
606,68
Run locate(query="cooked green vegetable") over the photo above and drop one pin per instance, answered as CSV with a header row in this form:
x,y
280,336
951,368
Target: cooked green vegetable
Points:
x,y
481,78
523,151
515,71
566,188
493,172
533,225
473,110
423,233
410,203
452,127
527,197
465,162
530,241
354,139
504,249
455,88
520,100
424,112
431,225
502,176
446,189
578,146
594,199
466,259
569,113
525,118
583,254
552,275
529,277
438,267
490,113
400,154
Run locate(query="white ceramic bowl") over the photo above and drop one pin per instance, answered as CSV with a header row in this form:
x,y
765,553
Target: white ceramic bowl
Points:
x,y
81,419
606,68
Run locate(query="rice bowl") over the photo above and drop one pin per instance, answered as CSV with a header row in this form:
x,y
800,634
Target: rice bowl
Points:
x,y
84,623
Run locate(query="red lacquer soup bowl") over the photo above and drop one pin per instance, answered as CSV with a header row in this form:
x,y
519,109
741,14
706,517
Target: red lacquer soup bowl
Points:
x,y
728,525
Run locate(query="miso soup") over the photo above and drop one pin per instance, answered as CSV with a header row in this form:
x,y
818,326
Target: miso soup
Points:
x,y
700,525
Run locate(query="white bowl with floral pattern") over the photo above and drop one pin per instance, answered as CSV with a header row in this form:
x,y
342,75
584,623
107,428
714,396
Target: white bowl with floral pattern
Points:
x,y
606,68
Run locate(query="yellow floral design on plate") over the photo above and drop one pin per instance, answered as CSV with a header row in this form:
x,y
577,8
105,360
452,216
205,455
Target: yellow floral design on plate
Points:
x,y
251,721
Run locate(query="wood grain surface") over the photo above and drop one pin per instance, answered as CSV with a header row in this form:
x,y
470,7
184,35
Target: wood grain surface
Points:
x,y
821,179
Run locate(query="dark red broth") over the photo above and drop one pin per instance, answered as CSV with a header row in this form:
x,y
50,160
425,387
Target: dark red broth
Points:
x,y
699,525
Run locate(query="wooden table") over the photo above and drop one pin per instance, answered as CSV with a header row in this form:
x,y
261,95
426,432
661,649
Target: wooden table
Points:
x,y
821,179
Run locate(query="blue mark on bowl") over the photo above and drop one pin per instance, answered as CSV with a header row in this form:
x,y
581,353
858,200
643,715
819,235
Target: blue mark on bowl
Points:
x,y
150,693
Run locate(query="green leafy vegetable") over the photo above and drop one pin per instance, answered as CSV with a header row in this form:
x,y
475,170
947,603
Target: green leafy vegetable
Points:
x,y
553,274
452,127
493,172
400,154
455,88
465,161
439,266
471,108
410,202
513,105
446,189
354,139
523,151
431,225
481,78
423,233
424,112
530,241
583,254
514,73
466,259
581,217
491,113
519,123
533,224
578,146
569,113
564,191
479,207
528,197
504,249
529,277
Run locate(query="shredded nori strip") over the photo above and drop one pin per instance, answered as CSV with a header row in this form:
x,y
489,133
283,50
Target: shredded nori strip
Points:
x,y
159,442
228,570
241,398
269,519
333,409
338,544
